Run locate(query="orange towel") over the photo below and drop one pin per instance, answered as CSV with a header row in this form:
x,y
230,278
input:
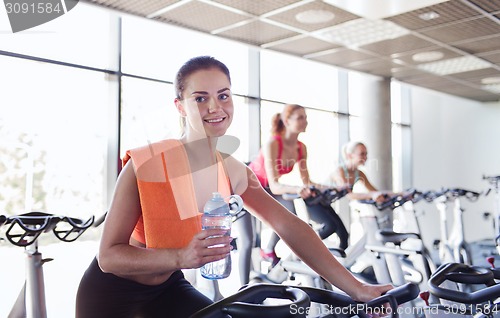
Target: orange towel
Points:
x,y
170,216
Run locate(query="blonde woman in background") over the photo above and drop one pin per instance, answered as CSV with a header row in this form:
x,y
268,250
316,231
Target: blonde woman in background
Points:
x,y
355,154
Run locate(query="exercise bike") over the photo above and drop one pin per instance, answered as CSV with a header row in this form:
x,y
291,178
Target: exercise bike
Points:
x,y
24,230
293,301
494,182
406,257
289,268
452,245
367,255
454,302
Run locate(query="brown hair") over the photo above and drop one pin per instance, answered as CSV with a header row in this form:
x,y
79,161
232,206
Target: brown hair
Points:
x,y
278,126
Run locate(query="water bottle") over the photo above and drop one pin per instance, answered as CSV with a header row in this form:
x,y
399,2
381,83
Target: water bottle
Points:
x,y
216,215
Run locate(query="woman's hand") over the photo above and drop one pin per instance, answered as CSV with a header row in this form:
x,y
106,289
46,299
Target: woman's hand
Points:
x,y
368,291
205,247
304,192
379,197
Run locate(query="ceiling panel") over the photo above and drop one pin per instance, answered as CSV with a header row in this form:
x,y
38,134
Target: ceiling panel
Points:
x,y
459,39
257,33
465,30
486,44
289,17
342,57
487,5
493,57
258,8
402,44
302,45
141,8
411,58
449,11
201,16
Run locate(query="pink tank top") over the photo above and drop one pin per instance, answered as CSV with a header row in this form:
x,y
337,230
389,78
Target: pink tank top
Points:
x,y
259,169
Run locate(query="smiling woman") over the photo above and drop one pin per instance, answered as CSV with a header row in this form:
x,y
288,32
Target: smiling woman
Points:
x,y
153,227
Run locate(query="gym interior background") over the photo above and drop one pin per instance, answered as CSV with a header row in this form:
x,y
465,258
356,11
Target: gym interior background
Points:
x,y
78,91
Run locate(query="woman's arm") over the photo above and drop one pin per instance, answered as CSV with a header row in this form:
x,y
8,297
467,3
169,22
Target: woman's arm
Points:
x,y
118,256
305,243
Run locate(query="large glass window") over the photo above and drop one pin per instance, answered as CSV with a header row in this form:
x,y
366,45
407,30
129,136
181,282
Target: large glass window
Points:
x,y
54,137
157,50
308,83
76,37
148,113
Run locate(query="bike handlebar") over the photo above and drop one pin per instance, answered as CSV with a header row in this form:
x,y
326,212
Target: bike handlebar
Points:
x,y
24,229
462,273
246,302
325,197
492,179
394,201
452,193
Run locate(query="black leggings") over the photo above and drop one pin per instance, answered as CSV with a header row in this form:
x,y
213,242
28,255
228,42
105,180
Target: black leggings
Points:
x,y
106,295
330,221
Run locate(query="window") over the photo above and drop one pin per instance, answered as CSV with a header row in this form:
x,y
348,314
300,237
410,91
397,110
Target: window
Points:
x,y
53,139
76,37
310,84
157,50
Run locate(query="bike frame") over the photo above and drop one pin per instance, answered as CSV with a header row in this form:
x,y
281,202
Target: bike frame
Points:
x,y
452,245
495,185
24,230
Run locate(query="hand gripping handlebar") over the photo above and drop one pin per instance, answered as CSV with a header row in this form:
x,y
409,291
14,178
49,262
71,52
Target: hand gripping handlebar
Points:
x,y
394,201
325,197
301,297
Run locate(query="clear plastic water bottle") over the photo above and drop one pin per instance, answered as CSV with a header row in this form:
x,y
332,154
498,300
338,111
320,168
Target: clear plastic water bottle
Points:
x,y
216,216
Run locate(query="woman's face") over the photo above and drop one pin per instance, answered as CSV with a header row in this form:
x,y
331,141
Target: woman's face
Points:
x,y
359,155
207,102
297,122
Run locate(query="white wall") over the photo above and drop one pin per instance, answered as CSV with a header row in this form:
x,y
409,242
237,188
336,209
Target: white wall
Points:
x,y
455,141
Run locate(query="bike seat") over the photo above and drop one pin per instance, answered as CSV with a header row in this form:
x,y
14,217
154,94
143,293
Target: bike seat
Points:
x,y
387,236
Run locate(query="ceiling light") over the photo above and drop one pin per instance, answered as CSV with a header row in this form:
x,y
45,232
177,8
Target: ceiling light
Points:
x,y
359,32
431,15
491,80
314,16
428,56
455,65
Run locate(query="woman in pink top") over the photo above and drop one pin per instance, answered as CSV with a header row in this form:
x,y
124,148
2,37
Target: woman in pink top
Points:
x,y
278,157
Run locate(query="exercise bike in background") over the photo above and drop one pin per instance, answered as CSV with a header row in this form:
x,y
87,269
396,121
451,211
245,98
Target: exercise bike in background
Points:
x,y
494,182
24,230
405,255
291,268
452,245
454,302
